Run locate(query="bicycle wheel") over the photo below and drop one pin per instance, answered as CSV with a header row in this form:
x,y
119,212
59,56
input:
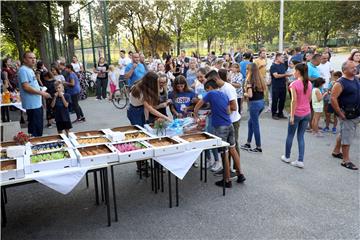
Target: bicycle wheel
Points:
x,y
120,98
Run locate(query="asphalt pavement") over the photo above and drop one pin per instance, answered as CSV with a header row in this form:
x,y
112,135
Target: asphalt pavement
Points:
x,y
277,201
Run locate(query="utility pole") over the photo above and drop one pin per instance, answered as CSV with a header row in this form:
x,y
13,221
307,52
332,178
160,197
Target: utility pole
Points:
x,y
281,27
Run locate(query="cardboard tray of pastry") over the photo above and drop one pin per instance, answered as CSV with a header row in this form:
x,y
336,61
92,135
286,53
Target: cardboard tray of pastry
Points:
x,y
131,151
48,139
11,168
201,140
52,160
166,145
125,129
96,154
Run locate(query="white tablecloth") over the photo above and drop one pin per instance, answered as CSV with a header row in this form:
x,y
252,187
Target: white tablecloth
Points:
x,y
62,181
17,105
180,163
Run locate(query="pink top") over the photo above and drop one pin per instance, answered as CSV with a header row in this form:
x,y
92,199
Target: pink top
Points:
x,y
302,107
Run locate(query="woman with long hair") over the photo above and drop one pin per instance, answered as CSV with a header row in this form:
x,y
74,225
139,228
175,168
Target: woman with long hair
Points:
x,y
182,97
102,78
355,57
255,87
299,114
144,97
72,84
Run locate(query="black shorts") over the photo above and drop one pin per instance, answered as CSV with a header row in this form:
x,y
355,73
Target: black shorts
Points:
x,y
63,125
330,109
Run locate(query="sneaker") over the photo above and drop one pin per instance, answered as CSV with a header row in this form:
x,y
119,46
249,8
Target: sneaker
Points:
x,y
240,178
216,167
297,164
268,110
219,172
210,162
308,129
82,119
221,184
334,130
196,165
275,117
233,175
326,129
232,170
76,121
97,99
246,147
282,117
49,125
285,159
256,150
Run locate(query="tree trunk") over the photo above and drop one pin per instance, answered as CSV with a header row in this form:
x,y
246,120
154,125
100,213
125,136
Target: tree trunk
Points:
x,y
52,32
15,28
326,37
41,46
209,41
178,40
67,21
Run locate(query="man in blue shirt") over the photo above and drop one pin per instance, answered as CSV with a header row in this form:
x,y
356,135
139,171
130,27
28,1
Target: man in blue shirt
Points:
x,y
278,86
313,71
298,56
134,71
244,63
223,128
31,94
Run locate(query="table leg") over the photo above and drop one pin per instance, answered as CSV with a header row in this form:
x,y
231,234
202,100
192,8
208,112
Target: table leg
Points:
x,y
162,178
203,153
152,174
114,196
223,178
96,188
201,167
158,176
3,211
3,191
106,188
155,177
87,180
177,190
102,186
22,120
170,196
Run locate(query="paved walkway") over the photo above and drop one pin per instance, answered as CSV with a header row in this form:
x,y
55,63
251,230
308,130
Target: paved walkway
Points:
x,y
277,201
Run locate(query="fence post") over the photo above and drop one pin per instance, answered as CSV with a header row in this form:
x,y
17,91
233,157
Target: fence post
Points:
x,y
106,23
81,42
92,35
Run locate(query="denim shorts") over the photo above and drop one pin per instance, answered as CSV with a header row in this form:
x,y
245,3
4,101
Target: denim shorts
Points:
x,y
227,134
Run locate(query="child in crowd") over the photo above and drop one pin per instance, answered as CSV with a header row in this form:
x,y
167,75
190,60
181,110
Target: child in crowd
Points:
x,y
237,80
181,97
317,98
60,104
163,98
112,81
199,83
223,128
49,83
330,109
291,69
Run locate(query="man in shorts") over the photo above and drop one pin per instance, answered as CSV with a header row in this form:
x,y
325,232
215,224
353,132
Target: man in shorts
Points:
x,y
223,128
345,99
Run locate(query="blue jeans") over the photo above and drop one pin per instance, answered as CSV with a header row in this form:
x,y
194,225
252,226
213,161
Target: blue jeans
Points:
x,y
300,123
35,121
255,108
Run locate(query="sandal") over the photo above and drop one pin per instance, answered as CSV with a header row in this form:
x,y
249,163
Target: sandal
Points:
x,y
349,165
337,155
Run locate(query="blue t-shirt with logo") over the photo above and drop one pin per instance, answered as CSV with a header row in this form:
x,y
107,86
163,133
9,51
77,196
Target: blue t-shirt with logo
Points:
x,y
29,100
179,100
76,88
313,71
138,73
219,103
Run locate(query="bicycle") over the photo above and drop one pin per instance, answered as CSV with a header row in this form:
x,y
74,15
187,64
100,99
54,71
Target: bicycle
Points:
x,y
120,98
86,84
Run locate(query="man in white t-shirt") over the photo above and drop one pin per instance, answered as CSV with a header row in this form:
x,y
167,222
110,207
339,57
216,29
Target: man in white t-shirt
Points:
x,y
325,69
123,61
230,92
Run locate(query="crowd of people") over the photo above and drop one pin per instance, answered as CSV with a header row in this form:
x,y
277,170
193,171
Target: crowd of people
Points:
x,y
220,88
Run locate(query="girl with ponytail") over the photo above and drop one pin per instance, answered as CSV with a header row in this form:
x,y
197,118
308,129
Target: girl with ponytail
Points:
x,y
300,113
